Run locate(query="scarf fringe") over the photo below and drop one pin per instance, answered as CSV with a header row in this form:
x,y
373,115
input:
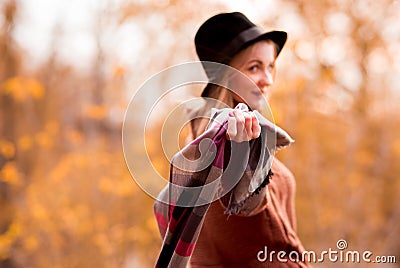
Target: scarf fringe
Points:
x,y
235,208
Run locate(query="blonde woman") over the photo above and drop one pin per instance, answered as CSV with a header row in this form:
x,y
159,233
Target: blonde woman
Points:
x,y
263,226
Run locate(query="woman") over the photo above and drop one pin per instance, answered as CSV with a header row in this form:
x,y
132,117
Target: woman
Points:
x,y
256,231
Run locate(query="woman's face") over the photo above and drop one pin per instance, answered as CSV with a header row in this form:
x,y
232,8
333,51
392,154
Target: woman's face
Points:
x,y
257,62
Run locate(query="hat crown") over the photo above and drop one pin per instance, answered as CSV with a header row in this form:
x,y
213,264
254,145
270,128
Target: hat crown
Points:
x,y
217,33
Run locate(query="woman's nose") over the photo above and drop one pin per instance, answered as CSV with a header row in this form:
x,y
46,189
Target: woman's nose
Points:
x,y
265,81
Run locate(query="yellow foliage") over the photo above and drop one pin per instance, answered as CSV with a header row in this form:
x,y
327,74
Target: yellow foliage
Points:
x,y
152,225
117,233
117,186
75,137
30,243
76,219
9,174
38,211
365,158
354,180
44,139
81,207
81,161
25,143
8,238
396,146
100,222
21,88
52,127
96,112
69,162
14,87
105,185
35,89
59,172
69,219
125,187
102,241
132,233
7,149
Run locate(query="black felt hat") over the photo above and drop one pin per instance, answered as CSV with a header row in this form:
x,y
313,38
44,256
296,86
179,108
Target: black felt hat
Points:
x,y
222,36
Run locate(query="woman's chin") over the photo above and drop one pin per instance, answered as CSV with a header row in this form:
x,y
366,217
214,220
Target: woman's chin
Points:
x,y
255,105
258,104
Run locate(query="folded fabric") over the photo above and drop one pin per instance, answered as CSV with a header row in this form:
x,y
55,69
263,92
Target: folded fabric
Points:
x,y
208,169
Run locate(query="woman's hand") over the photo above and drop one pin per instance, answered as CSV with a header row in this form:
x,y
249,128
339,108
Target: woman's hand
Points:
x,y
243,126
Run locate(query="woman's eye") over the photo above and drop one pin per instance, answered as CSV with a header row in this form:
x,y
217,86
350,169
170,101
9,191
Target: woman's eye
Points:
x,y
253,68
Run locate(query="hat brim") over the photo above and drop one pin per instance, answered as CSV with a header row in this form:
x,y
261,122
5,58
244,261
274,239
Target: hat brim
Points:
x,y
278,37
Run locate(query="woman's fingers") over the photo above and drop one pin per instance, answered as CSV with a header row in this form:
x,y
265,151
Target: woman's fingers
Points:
x,y
240,120
243,126
231,131
248,126
256,127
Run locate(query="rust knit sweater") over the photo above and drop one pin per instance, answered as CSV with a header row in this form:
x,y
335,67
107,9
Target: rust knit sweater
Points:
x,y
235,241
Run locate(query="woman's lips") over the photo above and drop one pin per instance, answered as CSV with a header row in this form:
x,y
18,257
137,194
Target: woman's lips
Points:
x,y
257,94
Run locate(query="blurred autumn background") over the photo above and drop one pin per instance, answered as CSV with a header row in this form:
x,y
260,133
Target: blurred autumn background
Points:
x,y
69,68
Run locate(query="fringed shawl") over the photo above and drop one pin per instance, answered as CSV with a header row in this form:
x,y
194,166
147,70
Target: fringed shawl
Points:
x,y
208,168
